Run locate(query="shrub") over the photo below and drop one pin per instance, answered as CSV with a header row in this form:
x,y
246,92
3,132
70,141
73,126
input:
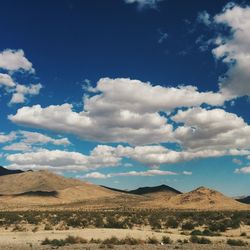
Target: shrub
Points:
x,y
187,226
172,222
198,240
166,240
18,228
96,241
132,241
196,232
243,234
113,240
35,229
152,240
48,227
46,241
233,242
61,242
75,240
53,242
221,227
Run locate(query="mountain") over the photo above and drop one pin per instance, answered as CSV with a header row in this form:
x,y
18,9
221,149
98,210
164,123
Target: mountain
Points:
x,y
245,200
45,188
204,198
156,189
5,171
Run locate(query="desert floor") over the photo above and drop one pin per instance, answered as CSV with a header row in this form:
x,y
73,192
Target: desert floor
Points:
x,y
32,240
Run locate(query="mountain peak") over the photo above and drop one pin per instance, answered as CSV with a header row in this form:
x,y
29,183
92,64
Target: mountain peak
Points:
x,y
6,171
154,189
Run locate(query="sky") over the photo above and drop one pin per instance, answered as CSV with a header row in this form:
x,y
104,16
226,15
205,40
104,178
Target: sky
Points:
x,y
128,93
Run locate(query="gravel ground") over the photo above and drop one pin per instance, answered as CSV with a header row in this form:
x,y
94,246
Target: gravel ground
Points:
x,y
188,246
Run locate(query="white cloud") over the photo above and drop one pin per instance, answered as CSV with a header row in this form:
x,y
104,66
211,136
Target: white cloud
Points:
x,y
154,156
94,175
123,110
204,17
151,172
187,172
18,146
35,138
142,97
100,157
234,50
108,156
144,3
28,141
237,161
13,60
211,129
245,170
6,81
7,137
21,91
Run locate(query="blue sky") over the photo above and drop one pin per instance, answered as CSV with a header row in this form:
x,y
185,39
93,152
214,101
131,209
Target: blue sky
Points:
x,y
128,93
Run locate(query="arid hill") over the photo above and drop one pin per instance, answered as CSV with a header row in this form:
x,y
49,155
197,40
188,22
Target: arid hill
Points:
x,y
205,199
43,189
35,181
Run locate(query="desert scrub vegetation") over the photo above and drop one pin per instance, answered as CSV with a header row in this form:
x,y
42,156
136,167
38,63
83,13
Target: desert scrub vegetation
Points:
x,y
199,240
205,232
233,242
62,242
109,241
213,222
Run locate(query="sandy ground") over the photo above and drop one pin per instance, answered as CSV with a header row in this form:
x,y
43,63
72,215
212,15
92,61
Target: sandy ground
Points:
x,y
29,240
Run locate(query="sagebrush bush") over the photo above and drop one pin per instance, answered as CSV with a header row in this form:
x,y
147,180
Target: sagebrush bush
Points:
x,y
233,242
199,240
166,240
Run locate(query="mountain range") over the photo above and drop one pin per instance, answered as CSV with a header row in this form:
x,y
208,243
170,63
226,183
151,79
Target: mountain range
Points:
x,y
46,190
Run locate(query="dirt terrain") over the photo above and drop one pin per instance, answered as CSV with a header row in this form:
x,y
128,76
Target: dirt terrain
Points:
x,y
31,240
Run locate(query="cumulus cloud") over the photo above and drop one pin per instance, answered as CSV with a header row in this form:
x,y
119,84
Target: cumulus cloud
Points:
x,y
63,160
35,137
151,172
18,146
144,3
13,60
245,170
122,110
234,49
7,137
6,81
29,141
108,156
21,91
154,156
211,129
